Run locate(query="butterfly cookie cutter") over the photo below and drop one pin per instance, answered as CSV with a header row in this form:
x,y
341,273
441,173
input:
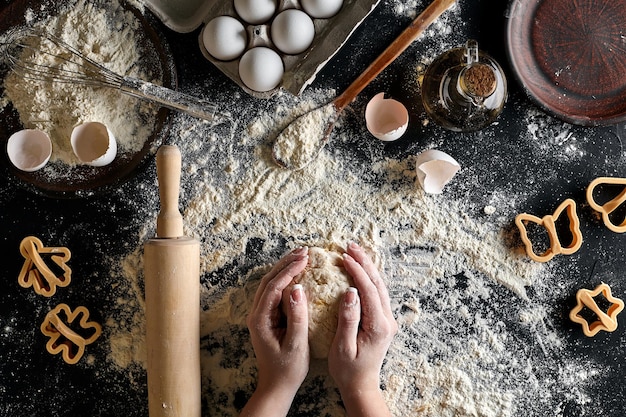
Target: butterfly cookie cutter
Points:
x,y
63,338
610,206
549,222
36,273
606,321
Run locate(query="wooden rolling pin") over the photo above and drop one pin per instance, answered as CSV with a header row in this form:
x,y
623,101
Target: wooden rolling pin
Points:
x,y
172,288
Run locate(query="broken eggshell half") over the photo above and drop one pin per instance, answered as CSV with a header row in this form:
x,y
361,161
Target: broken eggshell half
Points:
x,y
386,118
435,169
94,144
29,149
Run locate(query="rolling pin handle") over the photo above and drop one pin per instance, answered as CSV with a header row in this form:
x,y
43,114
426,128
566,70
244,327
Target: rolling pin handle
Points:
x,y
169,220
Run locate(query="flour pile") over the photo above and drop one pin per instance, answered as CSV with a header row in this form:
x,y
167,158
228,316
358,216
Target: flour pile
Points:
x,y
106,36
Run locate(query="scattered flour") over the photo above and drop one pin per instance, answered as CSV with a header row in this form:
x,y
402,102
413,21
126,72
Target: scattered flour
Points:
x,y
459,290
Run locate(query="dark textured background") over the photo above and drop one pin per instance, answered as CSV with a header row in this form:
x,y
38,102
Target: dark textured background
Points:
x,y
35,383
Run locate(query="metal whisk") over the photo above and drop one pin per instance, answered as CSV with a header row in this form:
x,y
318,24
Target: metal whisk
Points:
x,y
20,47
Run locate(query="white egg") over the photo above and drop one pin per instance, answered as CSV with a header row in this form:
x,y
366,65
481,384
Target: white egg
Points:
x,y
225,38
261,69
321,9
255,11
292,31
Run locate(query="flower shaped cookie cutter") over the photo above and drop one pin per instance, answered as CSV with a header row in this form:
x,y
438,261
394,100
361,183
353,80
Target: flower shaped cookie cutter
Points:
x,y
610,206
36,273
549,222
59,326
606,321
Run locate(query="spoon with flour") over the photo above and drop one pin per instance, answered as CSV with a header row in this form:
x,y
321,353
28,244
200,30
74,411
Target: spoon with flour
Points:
x,y
303,139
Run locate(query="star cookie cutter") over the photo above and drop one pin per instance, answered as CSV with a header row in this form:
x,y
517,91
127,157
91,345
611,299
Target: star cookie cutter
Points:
x,y
549,222
63,338
610,206
606,321
36,273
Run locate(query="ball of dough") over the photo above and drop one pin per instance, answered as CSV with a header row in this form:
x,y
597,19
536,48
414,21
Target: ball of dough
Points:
x,y
324,281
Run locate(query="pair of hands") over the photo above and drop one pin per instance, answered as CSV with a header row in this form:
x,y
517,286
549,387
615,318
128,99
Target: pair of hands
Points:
x,y
365,329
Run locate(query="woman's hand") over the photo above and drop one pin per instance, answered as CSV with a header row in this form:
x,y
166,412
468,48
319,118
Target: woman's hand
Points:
x,y
282,352
365,329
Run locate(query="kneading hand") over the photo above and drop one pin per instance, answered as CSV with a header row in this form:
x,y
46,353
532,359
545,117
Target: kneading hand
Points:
x,y
365,329
282,352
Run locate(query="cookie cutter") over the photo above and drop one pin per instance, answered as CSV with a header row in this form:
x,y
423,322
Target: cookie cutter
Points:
x,y
63,339
36,273
549,222
606,321
610,206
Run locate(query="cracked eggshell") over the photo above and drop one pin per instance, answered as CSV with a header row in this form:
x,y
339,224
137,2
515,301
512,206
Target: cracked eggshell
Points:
x,y
94,144
29,149
386,118
435,169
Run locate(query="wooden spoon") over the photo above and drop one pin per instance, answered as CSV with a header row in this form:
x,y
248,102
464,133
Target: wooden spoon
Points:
x,y
294,149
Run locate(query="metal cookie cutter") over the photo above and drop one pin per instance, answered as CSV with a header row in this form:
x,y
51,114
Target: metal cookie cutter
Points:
x,y
549,222
610,206
63,339
36,273
606,321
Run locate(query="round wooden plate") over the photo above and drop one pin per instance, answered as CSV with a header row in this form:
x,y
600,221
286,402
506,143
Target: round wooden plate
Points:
x,y
570,57
83,180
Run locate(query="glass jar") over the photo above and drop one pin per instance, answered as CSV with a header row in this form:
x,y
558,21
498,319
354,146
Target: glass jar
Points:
x,y
464,89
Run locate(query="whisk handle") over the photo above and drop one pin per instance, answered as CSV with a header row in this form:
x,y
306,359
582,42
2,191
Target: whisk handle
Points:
x,y
170,98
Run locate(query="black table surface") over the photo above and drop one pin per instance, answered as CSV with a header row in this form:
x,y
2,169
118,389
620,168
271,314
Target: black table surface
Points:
x,y
30,378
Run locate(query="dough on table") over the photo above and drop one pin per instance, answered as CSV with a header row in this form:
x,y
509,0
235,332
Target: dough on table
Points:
x,y
324,281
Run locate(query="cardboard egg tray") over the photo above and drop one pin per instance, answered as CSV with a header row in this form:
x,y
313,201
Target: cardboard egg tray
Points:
x,y
300,70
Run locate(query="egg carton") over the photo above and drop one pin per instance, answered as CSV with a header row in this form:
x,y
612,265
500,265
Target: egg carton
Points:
x,y
300,70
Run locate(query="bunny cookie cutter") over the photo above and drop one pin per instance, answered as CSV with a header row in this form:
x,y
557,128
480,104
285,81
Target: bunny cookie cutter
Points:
x,y
610,206
549,222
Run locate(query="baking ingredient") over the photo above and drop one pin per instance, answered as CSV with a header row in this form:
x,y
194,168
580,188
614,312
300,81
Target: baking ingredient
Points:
x,y
261,69
225,38
29,149
324,282
300,142
435,169
321,9
387,119
93,143
255,11
56,108
292,31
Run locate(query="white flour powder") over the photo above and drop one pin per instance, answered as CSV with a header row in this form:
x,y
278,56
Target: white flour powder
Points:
x,y
106,36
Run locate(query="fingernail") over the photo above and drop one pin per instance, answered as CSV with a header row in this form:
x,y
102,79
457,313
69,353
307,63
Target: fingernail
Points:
x,y
296,294
300,250
352,297
354,246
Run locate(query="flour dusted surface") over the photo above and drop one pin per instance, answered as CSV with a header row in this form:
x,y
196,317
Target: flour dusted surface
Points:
x,y
477,336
